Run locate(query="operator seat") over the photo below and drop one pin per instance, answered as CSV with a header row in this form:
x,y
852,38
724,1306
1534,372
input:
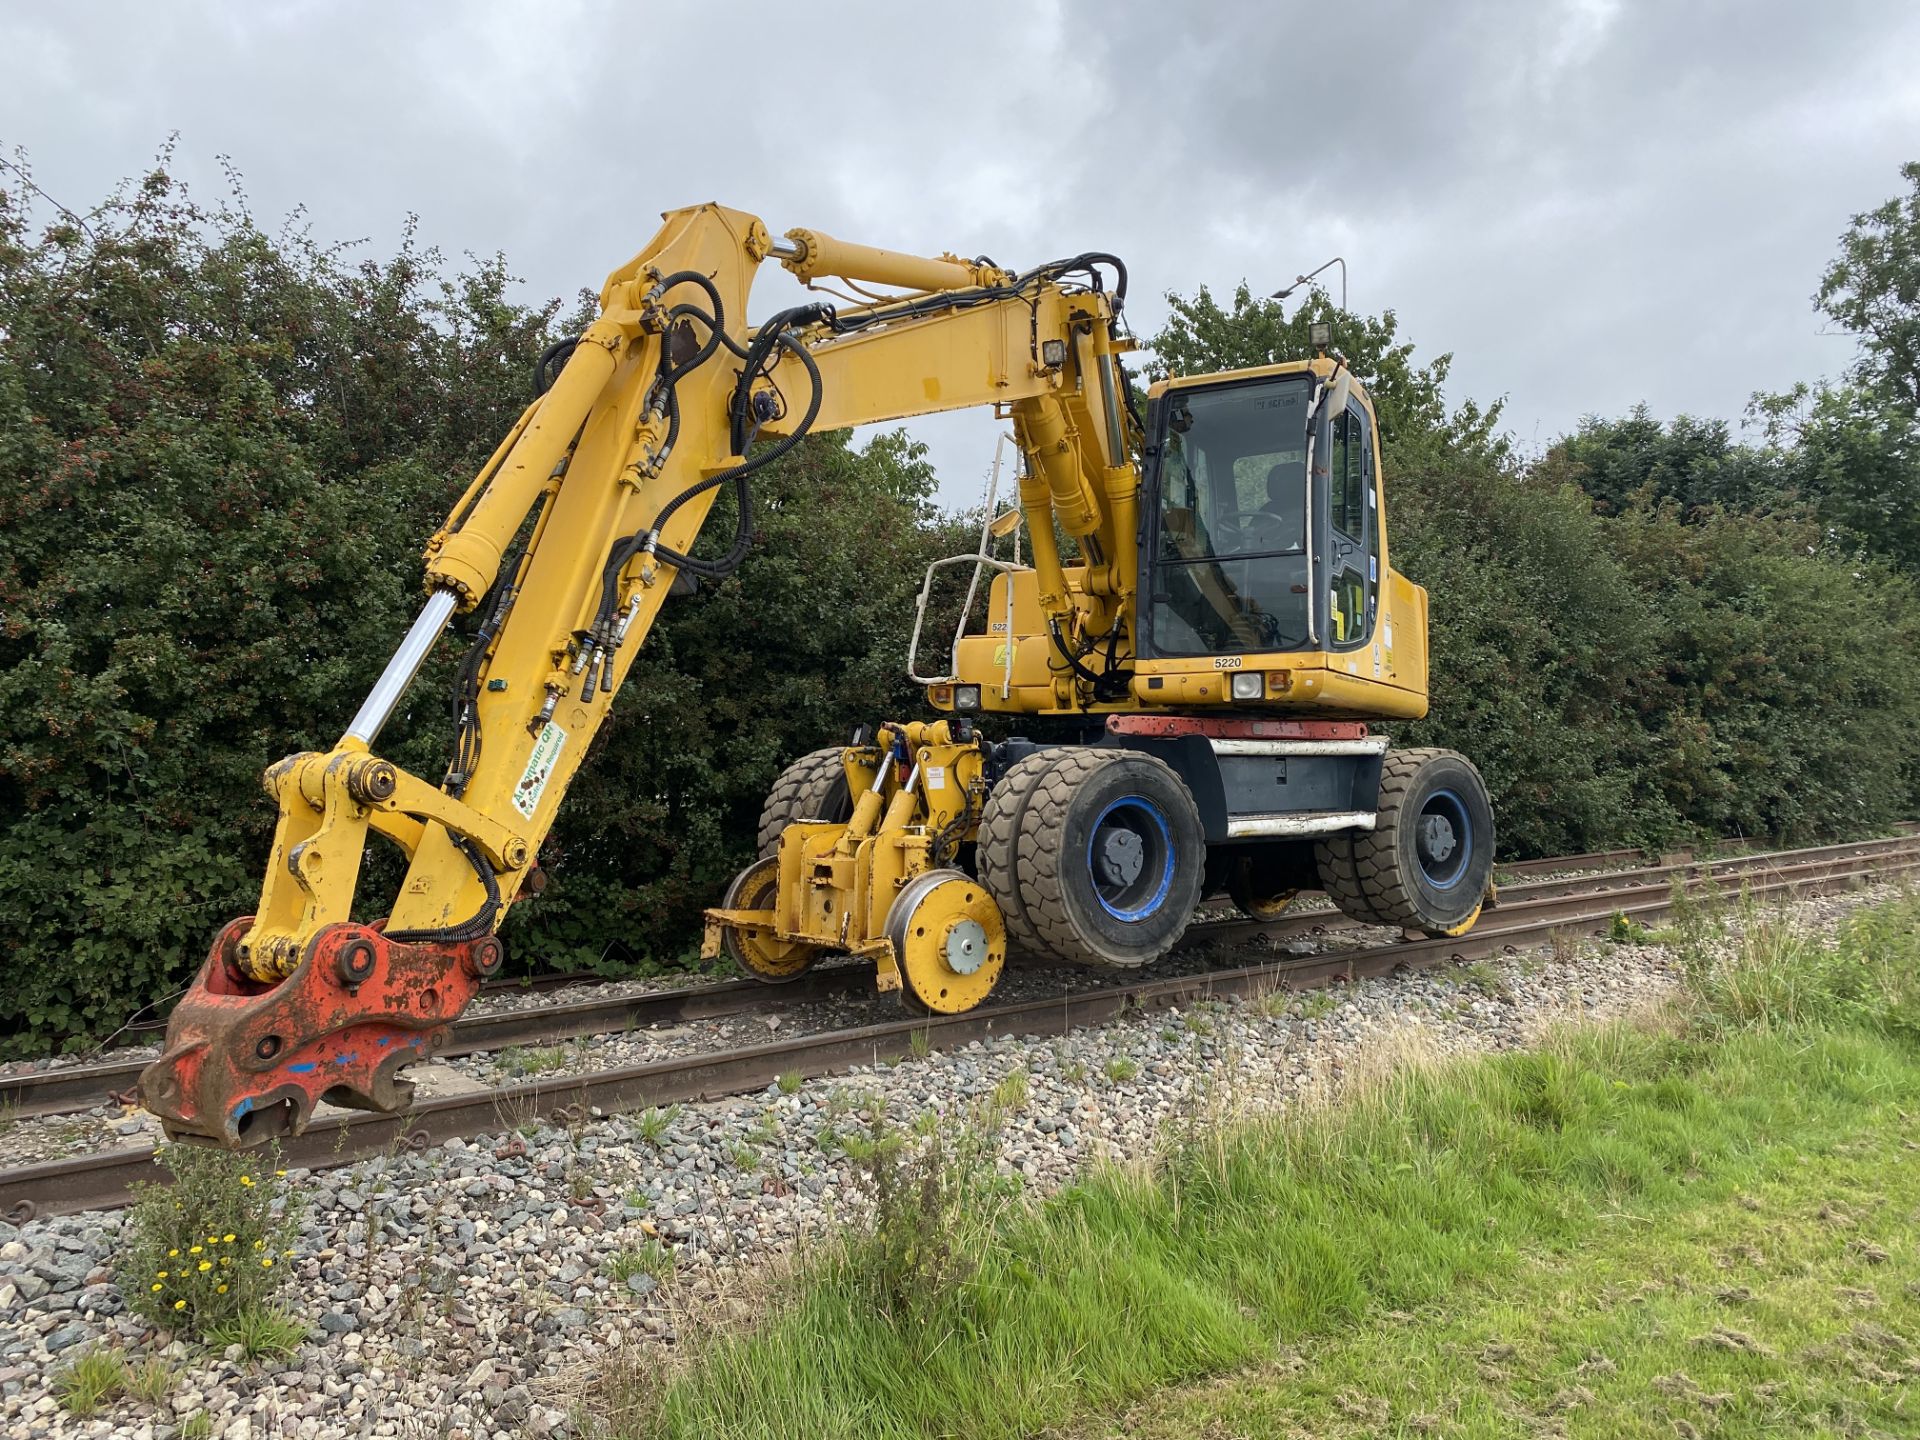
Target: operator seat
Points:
x,y
1286,500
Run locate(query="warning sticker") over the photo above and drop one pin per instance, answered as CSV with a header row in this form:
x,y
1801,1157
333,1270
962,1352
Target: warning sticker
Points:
x,y
936,777
533,780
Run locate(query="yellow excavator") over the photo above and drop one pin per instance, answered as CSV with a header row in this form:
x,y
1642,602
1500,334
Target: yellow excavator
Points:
x,y
1208,612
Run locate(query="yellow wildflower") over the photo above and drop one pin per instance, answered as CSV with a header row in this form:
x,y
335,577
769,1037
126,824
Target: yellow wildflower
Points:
x,y
205,1265
228,1239
267,1263
172,1253
246,1179
158,1286
193,1249
220,1289
160,1274
179,1304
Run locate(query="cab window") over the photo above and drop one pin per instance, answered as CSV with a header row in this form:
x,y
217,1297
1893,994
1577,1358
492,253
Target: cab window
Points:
x,y
1230,557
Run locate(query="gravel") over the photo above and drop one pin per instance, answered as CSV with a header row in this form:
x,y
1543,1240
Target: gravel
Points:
x,y
463,1291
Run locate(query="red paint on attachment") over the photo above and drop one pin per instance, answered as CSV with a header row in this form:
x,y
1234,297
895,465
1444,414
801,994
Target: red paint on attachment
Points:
x,y
246,1061
1230,728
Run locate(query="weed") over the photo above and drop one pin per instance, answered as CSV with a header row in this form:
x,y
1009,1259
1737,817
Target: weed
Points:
x,y
634,1200
652,1126
766,1130
649,1257
89,1381
529,1060
1075,1074
1011,1091
933,1206
921,1043
1623,929
263,1332
213,1244
1196,1023
1122,1068
580,1185
742,1156
151,1382
790,1082
1318,1004
198,1426
926,1123
1487,980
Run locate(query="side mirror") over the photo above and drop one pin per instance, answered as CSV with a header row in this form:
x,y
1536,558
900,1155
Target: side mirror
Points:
x,y
1342,388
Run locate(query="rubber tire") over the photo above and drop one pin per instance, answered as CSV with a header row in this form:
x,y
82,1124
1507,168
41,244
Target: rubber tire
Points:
x,y
814,787
1055,882
995,860
1374,875
1340,878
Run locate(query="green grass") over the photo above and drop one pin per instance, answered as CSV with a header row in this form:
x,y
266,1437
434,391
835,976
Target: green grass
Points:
x,y
528,1060
790,1082
151,1382
1122,1068
1441,1254
89,1381
1789,1307
649,1257
263,1332
652,1125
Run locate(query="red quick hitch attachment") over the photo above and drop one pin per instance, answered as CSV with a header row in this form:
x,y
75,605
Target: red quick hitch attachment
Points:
x,y
247,1061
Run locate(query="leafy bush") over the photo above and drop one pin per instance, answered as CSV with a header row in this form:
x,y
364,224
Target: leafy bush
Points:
x,y
211,1248
220,453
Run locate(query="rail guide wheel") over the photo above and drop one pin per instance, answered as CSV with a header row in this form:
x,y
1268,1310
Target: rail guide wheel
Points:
x,y
948,940
760,954
1427,864
1256,892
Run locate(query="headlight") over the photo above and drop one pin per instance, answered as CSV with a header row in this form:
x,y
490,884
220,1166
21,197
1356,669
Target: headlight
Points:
x,y
1249,685
966,697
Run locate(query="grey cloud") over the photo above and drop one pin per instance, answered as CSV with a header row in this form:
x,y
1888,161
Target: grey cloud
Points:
x,y
1589,203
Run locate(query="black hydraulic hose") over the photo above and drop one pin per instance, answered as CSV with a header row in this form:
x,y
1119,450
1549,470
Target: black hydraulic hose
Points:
x,y
717,323
480,923
547,368
737,477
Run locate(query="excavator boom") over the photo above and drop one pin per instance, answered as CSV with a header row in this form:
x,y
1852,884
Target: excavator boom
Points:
x,y
567,543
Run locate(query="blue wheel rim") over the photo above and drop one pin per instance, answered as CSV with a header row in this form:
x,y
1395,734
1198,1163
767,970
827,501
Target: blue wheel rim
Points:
x,y
1443,872
1136,897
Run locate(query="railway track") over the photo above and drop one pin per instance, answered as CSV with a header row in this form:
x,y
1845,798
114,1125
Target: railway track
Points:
x,y
77,1088
1527,915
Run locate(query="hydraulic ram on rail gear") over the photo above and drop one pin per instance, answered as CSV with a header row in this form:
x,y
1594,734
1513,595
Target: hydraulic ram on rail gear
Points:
x,y
1221,619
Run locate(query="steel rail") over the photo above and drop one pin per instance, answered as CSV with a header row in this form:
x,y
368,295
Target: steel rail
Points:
x,y
102,1180
33,1094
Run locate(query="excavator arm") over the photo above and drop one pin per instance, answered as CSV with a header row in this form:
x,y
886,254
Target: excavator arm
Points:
x,y
567,543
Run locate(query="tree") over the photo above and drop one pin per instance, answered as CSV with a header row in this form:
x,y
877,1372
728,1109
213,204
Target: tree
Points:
x,y
1872,290
220,453
1200,336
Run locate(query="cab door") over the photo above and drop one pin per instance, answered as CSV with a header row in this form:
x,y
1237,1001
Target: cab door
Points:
x,y
1352,529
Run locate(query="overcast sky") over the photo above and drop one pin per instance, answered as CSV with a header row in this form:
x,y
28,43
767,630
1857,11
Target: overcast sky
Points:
x,y
1590,203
